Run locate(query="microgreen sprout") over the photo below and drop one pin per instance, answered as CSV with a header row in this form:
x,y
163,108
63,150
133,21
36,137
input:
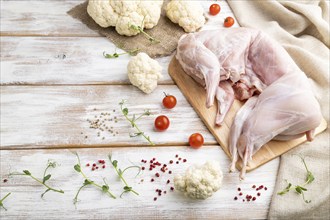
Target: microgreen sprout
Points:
x,y
120,174
300,189
45,178
87,181
140,30
116,55
133,120
1,201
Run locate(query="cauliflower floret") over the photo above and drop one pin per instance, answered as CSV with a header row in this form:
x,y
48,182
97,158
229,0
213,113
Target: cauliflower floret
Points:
x,y
200,182
121,14
188,14
144,72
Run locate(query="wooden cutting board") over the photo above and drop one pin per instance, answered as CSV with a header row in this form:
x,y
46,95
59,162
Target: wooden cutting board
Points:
x,y
196,96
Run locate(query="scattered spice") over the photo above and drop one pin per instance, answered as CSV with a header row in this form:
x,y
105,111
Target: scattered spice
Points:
x,y
101,122
249,197
154,164
5,180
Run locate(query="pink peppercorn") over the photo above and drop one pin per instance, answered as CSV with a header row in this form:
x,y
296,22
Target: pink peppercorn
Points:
x,y
258,194
176,155
152,180
170,172
254,198
171,161
157,174
155,198
238,189
103,166
172,188
177,162
143,168
265,188
87,165
240,194
168,181
235,198
94,164
184,160
254,186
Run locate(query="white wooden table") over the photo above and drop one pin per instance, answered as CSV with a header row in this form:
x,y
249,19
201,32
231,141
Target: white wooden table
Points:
x,y
54,78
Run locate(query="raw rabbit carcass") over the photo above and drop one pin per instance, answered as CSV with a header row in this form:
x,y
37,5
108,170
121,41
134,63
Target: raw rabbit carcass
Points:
x,y
248,65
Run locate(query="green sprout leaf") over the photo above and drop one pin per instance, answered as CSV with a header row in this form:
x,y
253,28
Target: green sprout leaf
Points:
x,y
77,168
46,178
105,188
27,172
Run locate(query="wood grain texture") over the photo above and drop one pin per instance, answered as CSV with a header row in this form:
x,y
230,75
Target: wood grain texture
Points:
x,y
41,18
25,201
196,96
74,60
48,117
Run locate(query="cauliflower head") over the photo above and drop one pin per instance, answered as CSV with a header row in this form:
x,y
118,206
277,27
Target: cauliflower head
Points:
x,y
121,14
200,182
188,14
144,72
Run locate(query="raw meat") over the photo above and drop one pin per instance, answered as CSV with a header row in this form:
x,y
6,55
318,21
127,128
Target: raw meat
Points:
x,y
247,64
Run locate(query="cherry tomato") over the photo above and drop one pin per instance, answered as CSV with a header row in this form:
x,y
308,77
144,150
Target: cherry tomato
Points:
x,y
162,123
196,140
214,9
169,101
229,21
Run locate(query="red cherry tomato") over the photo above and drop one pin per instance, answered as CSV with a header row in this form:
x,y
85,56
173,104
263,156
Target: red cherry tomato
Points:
x,y
214,9
169,101
162,123
229,21
196,140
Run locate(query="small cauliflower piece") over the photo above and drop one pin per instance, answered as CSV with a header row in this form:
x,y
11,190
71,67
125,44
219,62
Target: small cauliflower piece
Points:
x,y
121,14
188,14
200,182
144,72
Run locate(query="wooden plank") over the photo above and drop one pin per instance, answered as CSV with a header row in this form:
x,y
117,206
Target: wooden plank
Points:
x,y
55,116
74,60
41,18
196,96
25,201
34,18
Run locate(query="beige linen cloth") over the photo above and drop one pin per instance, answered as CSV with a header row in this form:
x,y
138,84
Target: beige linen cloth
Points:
x,y
302,28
